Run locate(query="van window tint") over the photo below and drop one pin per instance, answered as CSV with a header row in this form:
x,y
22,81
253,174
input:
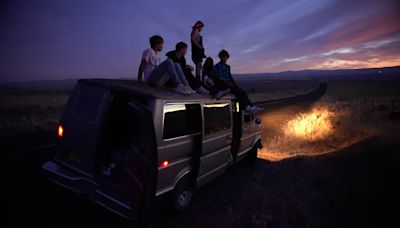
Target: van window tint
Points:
x,y
248,118
217,117
87,106
181,120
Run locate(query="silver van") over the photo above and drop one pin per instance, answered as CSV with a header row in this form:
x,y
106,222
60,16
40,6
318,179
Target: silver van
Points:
x,y
123,144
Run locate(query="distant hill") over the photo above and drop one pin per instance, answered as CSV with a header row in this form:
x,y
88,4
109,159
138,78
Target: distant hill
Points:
x,y
41,84
386,73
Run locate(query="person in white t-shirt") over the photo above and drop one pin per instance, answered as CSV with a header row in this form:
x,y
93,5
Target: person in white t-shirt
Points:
x,y
157,73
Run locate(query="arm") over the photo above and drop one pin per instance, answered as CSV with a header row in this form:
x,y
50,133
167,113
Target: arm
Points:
x,y
213,74
142,66
230,76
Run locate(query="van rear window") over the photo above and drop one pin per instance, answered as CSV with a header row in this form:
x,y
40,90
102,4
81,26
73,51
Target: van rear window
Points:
x,y
88,104
217,117
181,120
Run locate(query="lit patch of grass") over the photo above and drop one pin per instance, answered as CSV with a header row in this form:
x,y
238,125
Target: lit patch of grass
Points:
x,y
310,126
328,126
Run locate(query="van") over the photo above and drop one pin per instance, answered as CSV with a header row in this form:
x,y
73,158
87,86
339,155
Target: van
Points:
x,y
123,144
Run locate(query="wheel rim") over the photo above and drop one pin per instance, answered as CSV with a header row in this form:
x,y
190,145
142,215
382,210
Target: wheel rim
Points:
x,y
184,197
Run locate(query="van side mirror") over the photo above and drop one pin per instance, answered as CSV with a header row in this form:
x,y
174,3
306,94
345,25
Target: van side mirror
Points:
x,y
258,121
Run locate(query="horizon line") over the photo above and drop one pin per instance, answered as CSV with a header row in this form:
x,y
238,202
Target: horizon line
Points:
x,y
238,74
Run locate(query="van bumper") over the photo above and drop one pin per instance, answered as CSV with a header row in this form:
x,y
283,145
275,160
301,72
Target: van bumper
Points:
x,y
68,179
79,184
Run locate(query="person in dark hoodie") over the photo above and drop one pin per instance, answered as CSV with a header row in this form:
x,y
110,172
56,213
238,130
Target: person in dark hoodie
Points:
x,y
178,57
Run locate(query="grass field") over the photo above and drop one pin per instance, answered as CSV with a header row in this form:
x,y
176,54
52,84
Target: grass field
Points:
x,y
349,112
330,163
28,109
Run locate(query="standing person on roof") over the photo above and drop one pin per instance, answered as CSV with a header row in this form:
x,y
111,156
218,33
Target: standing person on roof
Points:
x,y
221,77
157,73
197,47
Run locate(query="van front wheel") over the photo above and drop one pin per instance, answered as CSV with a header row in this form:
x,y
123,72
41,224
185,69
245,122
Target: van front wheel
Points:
x,y
183,194
252,155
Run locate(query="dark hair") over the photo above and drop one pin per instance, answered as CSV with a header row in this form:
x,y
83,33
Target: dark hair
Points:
x,y
181,45
198,24
208,66
156,39
223,53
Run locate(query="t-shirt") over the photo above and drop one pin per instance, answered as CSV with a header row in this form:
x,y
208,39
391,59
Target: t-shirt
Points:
x,y
152,58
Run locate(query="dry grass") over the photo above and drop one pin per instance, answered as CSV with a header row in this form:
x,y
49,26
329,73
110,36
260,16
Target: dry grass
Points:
x,y
30,109
328,125
30,113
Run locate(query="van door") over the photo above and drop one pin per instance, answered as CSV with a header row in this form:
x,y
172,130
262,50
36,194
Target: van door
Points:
x,y
249,132
217,138
141,179
180,143
80,128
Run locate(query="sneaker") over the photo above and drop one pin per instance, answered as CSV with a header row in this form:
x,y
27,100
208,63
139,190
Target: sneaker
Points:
x,y
257,109
248,109
252,109
222,93
181,89
202,91
189,89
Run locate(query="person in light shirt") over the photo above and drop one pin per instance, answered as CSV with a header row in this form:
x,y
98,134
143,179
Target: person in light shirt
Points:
x,y
157,73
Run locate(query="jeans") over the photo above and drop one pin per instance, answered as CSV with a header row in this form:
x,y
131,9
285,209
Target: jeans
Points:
x,y
239,93
167,71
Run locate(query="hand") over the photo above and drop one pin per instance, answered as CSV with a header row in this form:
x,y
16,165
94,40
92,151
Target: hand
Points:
x,y
210,82
189,67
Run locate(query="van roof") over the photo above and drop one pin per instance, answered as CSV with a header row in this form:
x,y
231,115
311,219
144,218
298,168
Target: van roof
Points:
x,y
143,89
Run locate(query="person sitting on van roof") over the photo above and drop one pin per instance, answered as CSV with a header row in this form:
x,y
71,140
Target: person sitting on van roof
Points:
x,y
209,82
221,76
178,57
157,73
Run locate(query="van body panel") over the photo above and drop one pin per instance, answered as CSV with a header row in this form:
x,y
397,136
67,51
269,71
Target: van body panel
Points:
x,y
125,143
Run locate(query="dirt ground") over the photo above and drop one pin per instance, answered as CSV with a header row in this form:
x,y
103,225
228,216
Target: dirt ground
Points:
x,y
350,178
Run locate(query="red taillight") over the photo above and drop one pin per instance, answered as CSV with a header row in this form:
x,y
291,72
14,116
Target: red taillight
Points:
x,y
60,131
165,164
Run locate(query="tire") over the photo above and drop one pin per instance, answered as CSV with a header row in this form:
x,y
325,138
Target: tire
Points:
x,y
252,155
182,195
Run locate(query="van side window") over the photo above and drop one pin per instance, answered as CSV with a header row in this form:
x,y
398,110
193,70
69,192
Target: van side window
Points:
x,y
248,118
181,120
217,117
88,104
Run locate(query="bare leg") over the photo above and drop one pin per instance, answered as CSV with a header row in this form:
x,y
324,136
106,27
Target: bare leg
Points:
x,y
198,71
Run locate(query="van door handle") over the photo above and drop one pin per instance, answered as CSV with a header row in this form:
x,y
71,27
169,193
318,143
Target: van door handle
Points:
x,y
230,136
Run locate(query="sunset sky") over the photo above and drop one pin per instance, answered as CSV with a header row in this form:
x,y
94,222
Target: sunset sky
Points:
x,y
54,39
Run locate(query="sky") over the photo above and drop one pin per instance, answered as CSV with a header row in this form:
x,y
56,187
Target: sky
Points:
x,y
58,39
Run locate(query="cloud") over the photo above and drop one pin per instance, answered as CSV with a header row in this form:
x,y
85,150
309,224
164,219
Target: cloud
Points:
x,y
58,39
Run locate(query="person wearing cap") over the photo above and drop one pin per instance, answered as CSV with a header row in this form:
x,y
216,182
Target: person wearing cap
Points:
x,y
197,47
